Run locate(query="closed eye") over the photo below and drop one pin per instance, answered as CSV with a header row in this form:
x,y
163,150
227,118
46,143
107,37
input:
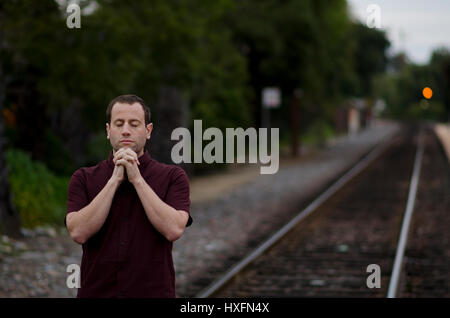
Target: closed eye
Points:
x,y
133,123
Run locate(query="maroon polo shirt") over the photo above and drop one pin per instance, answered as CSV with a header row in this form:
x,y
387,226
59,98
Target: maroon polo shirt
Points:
x,y
128,257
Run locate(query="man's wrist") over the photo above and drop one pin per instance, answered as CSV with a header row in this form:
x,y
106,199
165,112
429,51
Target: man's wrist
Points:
x,y
114,181
137,181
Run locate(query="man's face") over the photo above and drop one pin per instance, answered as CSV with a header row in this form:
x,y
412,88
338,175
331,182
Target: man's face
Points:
x,y
127,128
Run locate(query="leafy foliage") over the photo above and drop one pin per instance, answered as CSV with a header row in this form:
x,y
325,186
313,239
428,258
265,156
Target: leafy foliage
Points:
x,y
39,195
402,88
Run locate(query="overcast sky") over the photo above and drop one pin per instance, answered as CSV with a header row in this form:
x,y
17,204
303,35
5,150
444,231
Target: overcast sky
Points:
x,y
413,26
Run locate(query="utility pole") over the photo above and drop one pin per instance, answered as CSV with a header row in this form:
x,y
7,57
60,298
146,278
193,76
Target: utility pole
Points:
x,y
295,122
271,98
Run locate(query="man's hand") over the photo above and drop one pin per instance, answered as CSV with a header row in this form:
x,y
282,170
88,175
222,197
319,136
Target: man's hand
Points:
x,y
127,158
118,174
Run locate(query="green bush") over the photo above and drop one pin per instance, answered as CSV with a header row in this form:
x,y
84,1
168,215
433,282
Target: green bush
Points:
x,y
39,196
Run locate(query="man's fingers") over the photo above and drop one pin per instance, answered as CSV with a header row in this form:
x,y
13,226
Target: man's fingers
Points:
x,y
117,155
131,152
121,162
129,155
129,158
125,158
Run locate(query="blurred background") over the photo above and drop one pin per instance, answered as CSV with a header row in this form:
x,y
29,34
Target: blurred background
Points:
x,y
207,60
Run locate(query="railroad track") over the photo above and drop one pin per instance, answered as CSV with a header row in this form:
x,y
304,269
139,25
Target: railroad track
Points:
x,y
427,255
356,226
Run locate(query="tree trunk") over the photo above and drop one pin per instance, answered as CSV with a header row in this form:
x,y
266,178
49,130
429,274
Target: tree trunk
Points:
x,y
9,218
171,111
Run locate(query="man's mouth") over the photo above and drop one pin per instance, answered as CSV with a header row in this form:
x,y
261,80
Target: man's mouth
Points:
x,y
126,141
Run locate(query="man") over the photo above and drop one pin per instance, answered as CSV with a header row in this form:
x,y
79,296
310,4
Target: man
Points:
x,y
127,210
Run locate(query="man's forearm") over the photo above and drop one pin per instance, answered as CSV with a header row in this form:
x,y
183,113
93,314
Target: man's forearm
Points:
x,y
168,221
88,221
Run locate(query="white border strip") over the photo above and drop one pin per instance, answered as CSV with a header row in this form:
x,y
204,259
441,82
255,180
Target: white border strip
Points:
x,y
396,270
361,165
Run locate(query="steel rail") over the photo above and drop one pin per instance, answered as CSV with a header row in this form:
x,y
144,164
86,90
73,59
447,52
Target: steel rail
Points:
x,y
396,269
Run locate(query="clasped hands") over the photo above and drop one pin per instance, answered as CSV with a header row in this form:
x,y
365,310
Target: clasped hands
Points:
x,y
126,159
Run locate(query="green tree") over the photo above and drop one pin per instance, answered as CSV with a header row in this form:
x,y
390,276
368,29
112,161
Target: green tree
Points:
x,y
370,57
440,69
296,44
187,67
178,56
402,89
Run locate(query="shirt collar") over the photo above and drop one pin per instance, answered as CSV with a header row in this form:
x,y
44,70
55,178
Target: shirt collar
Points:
x,y
144,159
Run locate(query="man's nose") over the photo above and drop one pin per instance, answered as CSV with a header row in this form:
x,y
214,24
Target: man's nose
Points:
x,y
126,130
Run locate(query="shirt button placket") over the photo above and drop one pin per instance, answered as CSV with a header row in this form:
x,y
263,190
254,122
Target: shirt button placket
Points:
x,y
122,249
122,255
122,240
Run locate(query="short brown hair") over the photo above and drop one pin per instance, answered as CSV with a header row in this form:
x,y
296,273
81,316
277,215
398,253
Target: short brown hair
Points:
x,y
128,99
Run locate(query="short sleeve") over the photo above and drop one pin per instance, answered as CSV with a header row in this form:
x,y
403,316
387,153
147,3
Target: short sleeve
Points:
x,y
76,194
178,193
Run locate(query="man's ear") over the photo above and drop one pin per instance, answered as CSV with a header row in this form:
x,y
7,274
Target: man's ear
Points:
x,y
149,128
107,130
